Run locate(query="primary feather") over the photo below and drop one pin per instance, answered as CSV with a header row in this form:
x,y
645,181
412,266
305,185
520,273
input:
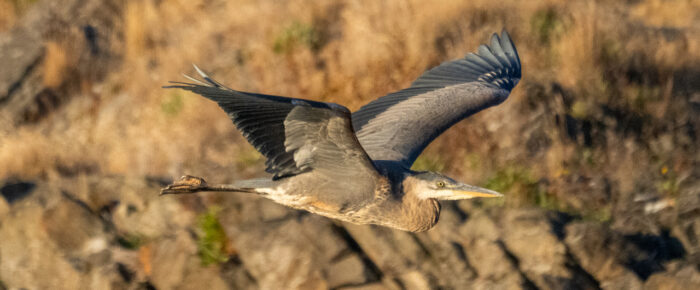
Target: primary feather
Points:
x,y
398,126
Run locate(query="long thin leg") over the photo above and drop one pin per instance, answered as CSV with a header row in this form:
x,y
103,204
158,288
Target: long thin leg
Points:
x,y
193,184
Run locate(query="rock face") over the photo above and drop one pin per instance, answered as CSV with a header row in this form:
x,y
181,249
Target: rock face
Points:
x,y
601,253
65,32
84,242
117,233
616,224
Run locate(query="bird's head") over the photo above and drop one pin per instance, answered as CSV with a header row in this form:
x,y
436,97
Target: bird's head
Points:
x,y
427,185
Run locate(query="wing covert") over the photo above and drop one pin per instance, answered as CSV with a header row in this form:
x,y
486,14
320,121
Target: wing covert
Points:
x,y
323,140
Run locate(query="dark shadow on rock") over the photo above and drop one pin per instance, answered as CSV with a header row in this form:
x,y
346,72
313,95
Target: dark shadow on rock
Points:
x,y
15,191
463,216
146,286
685,81
628,122
691,128
235,274
459,249
581,276
538,142
124,272
46,101
372,271
18,83
653,251
527,283
558,221
90,33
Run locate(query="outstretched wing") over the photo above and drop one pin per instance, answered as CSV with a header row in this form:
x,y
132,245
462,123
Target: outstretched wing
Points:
x,y
397,127
294,135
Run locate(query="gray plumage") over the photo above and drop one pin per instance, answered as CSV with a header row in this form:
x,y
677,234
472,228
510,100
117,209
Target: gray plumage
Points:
x,y
260,118
398,126
356,167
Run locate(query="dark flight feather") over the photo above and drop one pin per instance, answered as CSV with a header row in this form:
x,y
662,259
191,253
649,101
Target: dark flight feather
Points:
x,y
259,117
398,126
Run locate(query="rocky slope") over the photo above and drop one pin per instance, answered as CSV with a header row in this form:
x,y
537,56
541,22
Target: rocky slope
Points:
x,y
621,212
115,232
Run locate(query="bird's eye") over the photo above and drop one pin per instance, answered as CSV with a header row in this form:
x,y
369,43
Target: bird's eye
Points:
x,y
440,184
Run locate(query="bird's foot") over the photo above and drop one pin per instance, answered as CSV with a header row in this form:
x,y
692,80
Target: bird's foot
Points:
x,y
186,184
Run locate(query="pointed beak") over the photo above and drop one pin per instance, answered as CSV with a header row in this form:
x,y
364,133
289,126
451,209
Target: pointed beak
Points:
x,y
475,191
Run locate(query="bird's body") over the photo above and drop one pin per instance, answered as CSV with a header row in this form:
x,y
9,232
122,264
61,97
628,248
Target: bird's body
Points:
x,y
386,206
356,167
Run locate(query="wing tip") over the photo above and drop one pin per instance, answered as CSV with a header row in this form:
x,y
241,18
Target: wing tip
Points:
x,y
507,72
506,42
207,81
496,62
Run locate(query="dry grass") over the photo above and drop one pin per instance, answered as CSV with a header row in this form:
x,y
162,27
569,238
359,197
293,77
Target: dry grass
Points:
x,y
7,15
340,51
675,13
55,63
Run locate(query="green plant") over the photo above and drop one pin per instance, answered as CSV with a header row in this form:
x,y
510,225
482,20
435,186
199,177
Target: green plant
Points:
x,y
669,182
580,109
600,215
640,97
511,177
426,162
611,53
546,25
588,157
472,161
131,241
520,186
248,156
522,189
297,34
22,6
173,105
211,238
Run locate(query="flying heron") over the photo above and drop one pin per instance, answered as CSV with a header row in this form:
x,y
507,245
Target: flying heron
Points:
x,y
355,167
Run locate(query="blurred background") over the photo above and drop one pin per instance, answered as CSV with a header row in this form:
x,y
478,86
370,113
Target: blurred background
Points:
x,y
595,150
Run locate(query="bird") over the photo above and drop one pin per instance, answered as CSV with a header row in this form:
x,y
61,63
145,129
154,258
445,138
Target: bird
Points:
x,y
356,166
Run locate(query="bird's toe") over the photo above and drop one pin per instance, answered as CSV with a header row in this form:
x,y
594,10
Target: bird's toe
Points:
x,y
186,184
191,180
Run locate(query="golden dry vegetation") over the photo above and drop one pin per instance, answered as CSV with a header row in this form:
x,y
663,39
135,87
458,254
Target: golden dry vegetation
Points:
x,y
614,53
595,150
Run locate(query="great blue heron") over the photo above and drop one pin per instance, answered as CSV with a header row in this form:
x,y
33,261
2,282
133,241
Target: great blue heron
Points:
x,y
355,167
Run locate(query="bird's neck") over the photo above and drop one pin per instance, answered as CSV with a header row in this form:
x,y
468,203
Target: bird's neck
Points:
x,y
406,211
419,215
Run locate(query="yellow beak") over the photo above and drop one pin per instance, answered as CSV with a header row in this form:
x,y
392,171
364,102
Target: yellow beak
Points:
x,y
475,191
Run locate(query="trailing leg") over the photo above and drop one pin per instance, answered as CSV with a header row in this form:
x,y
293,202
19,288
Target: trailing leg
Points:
x,y
193,184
